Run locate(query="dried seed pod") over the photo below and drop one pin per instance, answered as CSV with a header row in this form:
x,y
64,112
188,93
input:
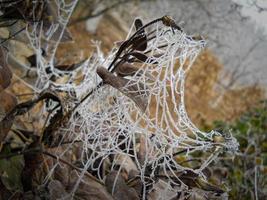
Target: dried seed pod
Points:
x,y
168,21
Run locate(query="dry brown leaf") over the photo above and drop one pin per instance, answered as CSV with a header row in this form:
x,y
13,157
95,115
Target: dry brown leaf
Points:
x,y
133,91
62,174
126,163
161,190
88,189
57,190
121,190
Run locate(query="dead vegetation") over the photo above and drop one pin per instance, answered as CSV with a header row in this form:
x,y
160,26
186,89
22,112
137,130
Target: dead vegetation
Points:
x,y
29,145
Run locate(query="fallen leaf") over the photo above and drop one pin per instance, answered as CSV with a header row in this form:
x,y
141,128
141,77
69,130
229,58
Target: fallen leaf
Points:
x,y
117,186
161,190
88,189
125,163
56,190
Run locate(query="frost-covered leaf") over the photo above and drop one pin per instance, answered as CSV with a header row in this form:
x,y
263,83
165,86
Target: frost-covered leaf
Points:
x,y
57,190
87,189
161,190
117,186
134,91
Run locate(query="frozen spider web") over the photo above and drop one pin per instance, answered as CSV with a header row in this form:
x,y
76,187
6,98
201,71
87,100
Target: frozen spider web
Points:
x,y
141,116
146,118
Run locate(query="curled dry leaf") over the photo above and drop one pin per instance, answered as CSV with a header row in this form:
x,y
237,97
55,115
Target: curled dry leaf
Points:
x,y
88,189
62,174
126,163
56,190
140,41
161,190
117,186
135,92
